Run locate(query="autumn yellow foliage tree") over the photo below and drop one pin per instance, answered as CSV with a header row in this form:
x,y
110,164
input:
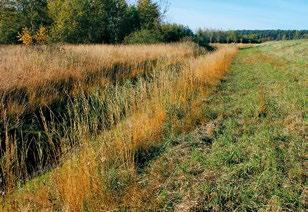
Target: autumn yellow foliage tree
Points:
x,y
25,36
41,35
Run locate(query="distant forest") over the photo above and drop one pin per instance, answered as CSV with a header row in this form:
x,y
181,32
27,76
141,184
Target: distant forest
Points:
x,y
111,22
249,36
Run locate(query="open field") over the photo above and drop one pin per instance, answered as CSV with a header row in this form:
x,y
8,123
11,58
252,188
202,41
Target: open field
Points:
x,y
189,130
91,127
110,105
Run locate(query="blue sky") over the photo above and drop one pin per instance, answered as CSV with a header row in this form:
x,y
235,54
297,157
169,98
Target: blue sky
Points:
x,y
239,14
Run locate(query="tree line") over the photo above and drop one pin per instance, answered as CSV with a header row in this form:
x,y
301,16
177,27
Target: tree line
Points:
x,y
248,36
86,21
111,22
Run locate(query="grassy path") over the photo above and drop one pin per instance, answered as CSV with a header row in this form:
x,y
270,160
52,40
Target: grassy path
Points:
x,y
249,156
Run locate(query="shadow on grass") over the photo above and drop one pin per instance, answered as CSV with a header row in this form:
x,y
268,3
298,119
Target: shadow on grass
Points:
x,y
143,157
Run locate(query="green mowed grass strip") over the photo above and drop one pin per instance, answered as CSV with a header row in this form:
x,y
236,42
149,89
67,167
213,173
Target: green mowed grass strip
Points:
x,y
259,144
255,159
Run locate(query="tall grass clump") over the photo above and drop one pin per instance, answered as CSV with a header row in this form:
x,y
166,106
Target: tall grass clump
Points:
x,y
101,129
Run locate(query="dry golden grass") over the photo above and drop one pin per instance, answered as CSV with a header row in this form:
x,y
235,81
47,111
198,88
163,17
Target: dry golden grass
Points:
x,y
238,45
44,90
102,174
22,66
40,76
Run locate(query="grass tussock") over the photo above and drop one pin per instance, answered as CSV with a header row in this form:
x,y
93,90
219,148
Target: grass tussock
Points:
x,y
114,124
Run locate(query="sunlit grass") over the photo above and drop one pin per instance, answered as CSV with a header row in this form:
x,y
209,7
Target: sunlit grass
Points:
x,y
138,113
